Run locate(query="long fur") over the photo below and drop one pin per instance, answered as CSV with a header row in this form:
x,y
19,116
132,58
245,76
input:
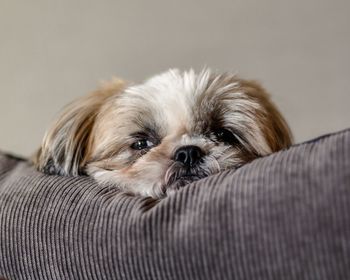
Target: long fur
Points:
x,y
66,146
94,134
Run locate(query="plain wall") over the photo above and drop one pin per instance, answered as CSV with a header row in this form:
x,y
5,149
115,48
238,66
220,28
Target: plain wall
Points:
x,y
54,51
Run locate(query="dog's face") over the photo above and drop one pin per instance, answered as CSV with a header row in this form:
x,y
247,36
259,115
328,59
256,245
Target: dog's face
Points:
x,y
153,138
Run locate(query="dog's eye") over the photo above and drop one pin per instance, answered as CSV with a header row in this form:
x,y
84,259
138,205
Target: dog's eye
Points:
x,y
142,144
226,136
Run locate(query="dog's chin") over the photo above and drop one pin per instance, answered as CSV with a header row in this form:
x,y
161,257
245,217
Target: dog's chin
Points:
x,y
177,176
182,181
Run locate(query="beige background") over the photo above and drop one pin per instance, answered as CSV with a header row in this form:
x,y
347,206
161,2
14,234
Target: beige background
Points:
x,y
54,51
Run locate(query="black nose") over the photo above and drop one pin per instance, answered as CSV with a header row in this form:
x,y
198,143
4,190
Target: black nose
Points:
x,y
188,155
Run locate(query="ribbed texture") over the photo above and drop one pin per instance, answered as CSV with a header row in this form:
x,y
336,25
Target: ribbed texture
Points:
x,y
285,216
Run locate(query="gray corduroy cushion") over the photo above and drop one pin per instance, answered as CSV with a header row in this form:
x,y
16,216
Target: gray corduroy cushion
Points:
x,y
285,216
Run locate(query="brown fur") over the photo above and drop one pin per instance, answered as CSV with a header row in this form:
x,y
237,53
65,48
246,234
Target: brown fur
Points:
x,y
94,134
70,136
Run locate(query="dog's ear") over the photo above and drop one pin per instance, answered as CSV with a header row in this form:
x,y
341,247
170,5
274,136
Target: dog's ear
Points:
x,y
67,144
275,128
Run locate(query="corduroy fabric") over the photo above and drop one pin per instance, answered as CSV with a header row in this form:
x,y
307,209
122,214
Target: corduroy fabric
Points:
x,y
285,216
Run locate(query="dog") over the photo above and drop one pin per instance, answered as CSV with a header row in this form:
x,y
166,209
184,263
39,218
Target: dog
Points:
x,y
151,139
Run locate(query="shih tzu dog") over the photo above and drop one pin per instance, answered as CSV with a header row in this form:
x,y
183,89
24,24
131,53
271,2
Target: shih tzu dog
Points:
x,y
153,138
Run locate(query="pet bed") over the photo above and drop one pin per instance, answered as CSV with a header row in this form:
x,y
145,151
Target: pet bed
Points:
x,y
284,216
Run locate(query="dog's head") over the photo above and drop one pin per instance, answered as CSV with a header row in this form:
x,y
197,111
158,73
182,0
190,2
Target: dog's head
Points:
x,y
173,129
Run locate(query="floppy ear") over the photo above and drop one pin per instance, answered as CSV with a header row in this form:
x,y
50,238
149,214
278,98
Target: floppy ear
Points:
x,y
273,124
67,144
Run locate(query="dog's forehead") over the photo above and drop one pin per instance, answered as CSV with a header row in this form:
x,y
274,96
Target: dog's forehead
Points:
x,y
170,99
